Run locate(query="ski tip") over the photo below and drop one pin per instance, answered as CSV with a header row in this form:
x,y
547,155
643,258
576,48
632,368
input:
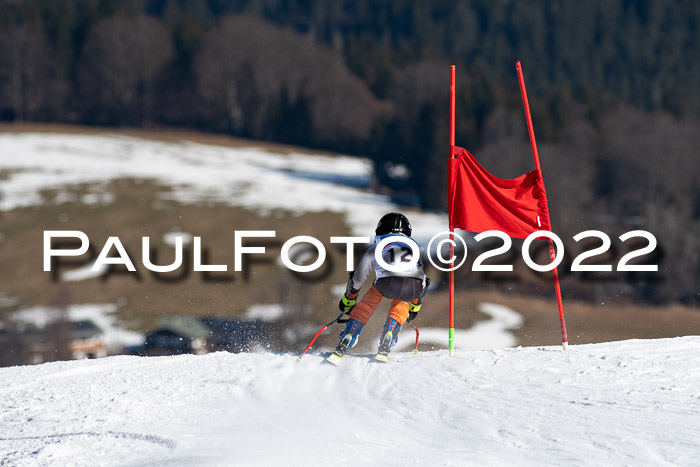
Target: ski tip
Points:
x,y
334,359
381,358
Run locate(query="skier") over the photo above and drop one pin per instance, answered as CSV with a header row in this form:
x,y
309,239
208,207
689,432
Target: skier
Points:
x,y
406,288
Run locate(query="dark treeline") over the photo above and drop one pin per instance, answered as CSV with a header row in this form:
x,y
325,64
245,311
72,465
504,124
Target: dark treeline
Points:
x,y
613,86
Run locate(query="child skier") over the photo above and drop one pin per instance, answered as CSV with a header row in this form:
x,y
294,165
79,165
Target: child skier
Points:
x,y
406,288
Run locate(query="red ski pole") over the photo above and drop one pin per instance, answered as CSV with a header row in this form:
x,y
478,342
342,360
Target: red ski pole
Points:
x,y
415,351
319,333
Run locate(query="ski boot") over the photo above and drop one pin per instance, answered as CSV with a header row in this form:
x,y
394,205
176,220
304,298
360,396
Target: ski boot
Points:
x,y
348,339
390,335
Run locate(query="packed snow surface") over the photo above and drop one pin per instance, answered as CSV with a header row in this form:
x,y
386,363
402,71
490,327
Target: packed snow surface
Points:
x,y
623,403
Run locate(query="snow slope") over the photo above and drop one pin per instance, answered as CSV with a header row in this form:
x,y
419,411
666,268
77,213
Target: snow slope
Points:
x,y
622,403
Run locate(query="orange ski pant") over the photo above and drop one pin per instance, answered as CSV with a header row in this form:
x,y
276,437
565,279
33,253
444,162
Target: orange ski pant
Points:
x,y
365,308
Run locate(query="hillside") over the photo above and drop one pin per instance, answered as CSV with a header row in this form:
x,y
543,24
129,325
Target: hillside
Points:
x,y
166,184
612,85
162,184
624,403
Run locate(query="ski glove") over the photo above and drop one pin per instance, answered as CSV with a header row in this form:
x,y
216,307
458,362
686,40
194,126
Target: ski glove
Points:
x,y
346,303
349,298
411,316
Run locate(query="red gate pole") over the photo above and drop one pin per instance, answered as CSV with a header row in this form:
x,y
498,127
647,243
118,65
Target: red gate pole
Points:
x,y
552,254
451,342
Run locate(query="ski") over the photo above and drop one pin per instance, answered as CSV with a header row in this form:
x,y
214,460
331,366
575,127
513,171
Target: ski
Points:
x,y
343,346
384,348
334,358
381,357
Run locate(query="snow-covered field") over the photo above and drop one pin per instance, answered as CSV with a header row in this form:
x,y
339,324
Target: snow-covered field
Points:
x,y
493,333
622,403
250,177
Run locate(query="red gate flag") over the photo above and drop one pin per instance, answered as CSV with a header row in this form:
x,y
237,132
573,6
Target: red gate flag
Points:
x,y
479,201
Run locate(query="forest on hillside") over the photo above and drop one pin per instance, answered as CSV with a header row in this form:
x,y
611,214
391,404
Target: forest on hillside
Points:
x,y
613,86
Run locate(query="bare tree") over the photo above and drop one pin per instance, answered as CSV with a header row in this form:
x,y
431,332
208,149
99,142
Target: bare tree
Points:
x,y
121,59
30,79
226,79
245,64
653,172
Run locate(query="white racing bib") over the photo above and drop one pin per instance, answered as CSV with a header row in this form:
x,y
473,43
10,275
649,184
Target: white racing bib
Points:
x,y
399,255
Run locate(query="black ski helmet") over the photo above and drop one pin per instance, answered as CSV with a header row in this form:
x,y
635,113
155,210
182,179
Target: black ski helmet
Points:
x,y
394,222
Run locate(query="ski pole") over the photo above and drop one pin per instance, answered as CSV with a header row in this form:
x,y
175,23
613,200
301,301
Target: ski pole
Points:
x,y
415,351
422,296
319,333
